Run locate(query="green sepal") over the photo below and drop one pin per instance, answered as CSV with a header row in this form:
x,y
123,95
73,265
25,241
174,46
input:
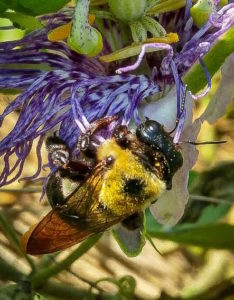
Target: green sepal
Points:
x,y
149,238
153,26
201,11
84,39
139,32
130,241
126,286
33,7
195,77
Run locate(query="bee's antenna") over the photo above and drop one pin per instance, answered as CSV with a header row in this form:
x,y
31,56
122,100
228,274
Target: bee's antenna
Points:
x,y
203,143
182,106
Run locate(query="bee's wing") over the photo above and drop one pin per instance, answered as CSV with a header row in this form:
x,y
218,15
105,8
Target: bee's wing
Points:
x,y
56,232
62,228
52,233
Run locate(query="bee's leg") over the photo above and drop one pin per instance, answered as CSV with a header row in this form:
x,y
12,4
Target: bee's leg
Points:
x,y
101,123
134,221
59,153
85,143
121,135
76,170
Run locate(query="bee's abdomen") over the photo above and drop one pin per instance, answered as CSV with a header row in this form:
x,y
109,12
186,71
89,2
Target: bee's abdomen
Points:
x,y
54,191
59,189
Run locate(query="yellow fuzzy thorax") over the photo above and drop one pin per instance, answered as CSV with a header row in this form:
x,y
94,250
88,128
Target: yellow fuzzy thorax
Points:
x,y
126,167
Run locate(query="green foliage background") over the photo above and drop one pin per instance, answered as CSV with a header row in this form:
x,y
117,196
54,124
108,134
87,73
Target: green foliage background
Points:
x,y
205,225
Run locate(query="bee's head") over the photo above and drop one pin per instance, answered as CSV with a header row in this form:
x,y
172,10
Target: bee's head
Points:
x,y
153,135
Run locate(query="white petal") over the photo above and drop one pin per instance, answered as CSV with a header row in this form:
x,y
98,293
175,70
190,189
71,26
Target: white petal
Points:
x,y
163,110
224,94
170,206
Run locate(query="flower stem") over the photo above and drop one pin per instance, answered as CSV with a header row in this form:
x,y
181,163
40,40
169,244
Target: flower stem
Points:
x,y
63,291
43,275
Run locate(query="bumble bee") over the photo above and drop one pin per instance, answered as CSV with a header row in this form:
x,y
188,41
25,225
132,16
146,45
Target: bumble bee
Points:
x,y
111,183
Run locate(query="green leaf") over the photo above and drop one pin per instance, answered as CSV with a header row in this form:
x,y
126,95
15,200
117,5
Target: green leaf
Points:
x,y
219,235
193,175
34,7
195,78
20,291
10,34
23,21
213,213
215,183
3,7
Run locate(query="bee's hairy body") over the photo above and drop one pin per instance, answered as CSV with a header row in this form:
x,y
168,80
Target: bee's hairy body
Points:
x,y
127,169
113,182
126,187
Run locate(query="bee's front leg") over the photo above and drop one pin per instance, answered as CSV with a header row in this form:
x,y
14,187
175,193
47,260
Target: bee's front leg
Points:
x,y
121,135
88,140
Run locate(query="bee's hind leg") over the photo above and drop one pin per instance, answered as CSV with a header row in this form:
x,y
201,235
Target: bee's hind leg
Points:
x,y
60,156
59,153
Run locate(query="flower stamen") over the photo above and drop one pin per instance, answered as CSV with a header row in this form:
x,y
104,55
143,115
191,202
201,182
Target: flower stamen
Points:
x,y
157,46
208,77
135,49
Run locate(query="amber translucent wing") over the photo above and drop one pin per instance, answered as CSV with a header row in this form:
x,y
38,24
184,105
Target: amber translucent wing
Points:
x,y
51,234
54,233
80,218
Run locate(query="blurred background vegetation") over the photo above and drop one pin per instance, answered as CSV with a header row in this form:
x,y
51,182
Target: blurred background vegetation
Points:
x,y
196,260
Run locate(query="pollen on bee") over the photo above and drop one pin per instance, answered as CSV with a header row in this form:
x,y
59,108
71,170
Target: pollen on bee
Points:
x,y
127,187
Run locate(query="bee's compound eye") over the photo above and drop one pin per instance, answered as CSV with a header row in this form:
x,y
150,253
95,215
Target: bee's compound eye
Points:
x,y
84,143
109,161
